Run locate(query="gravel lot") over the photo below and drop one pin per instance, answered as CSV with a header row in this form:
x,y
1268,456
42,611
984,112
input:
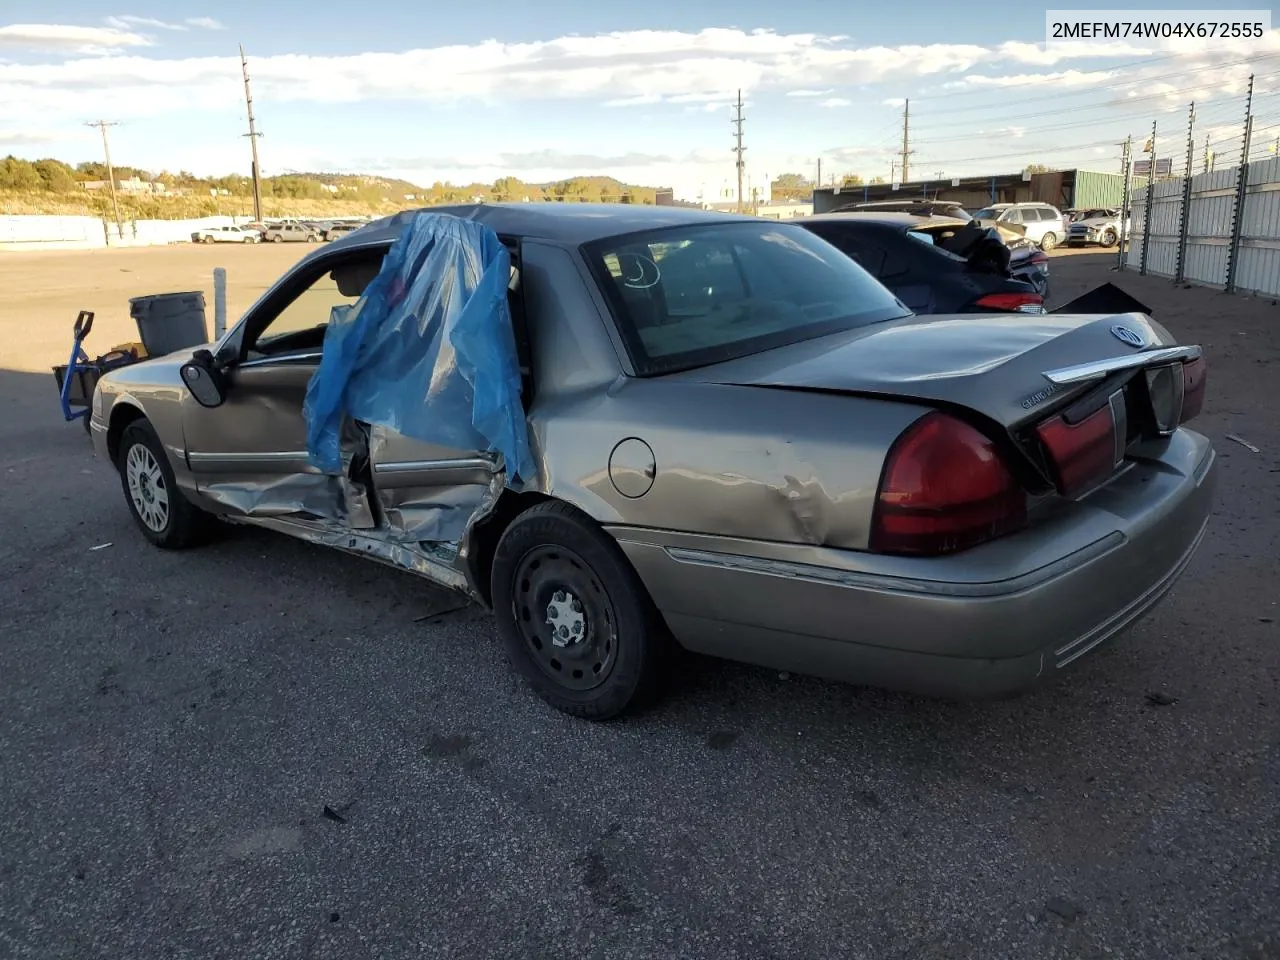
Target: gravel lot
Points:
x,y
261,749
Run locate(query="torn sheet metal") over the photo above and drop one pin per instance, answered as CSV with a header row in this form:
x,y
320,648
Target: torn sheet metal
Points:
x,y
428,351
433,562
426,492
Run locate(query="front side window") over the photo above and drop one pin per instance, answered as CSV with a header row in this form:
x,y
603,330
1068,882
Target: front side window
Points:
x,y
300,322
689,296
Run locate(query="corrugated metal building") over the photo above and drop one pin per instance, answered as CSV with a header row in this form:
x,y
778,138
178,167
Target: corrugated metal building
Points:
x,y
1065,189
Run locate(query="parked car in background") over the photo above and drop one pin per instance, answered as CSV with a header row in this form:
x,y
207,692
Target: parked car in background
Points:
x,y
291,231
920,208
339,230
698,427
1042,223
236,234
1030,264
1102,225
908,254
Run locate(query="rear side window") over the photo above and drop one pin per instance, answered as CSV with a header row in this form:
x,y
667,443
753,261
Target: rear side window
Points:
x,y
866,254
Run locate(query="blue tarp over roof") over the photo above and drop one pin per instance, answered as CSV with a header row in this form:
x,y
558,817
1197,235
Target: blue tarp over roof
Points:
x,y
428,350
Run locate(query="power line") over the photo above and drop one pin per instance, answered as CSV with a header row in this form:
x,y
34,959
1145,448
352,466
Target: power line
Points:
x,y
111,173
1126,82
1012,120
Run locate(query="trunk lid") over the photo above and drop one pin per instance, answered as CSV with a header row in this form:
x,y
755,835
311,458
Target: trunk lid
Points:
x,y
991,364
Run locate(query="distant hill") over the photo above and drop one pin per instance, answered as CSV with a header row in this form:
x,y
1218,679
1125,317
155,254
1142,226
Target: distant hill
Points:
x,y
51,186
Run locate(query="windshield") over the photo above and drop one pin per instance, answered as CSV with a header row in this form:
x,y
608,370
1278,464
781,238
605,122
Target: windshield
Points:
x,y
690,296
988,213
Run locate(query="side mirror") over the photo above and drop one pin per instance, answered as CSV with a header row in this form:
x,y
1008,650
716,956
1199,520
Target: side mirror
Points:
x,y
205,381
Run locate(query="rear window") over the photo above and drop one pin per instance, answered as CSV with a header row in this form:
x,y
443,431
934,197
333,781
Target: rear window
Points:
x,y
988,213
691,296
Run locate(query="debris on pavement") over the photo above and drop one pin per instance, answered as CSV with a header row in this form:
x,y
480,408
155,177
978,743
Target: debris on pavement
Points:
x,y
101,546
1244,443
1158,699
330,814
1063,908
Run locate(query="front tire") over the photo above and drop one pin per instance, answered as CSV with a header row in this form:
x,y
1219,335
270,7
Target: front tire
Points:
x,y
163,514
1109,239
574,617
1048,241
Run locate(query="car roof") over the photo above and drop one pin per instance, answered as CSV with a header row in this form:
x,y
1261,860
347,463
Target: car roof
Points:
x,y
570,223
887,218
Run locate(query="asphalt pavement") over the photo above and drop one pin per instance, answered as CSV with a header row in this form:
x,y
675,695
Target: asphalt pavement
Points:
x,y
262,749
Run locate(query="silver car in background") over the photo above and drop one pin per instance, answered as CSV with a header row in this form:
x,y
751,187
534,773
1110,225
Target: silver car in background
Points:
x,y
1042,223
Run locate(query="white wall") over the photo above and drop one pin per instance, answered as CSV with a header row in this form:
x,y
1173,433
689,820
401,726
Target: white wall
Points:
x,y
87,233
1209,216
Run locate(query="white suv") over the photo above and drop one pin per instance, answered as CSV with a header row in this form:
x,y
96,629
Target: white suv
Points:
x,y
1044,224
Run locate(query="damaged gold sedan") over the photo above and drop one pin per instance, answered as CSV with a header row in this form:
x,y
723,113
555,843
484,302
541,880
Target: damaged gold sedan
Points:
x,y
617,426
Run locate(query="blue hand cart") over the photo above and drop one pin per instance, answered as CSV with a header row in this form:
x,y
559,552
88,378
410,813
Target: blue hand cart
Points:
x,y
79,376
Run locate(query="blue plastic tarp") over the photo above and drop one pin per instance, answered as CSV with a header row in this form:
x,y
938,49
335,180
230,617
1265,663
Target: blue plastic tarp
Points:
x,y
428,351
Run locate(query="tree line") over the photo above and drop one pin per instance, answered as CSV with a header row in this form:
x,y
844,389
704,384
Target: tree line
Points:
x,y
54,176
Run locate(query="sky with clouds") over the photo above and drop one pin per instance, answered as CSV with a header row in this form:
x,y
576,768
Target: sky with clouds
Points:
x,y
461,92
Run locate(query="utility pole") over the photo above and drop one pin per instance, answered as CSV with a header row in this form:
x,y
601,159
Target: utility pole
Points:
x,y
893,171
1151,194
906,137
111,173
1186,195
253,136
1242,188
818,182
738,148
1206,154
1128,190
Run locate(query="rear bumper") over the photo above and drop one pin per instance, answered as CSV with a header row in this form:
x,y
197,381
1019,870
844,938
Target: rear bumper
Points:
x,y
988,622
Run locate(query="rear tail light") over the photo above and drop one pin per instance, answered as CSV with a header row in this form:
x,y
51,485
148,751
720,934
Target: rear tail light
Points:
x,y
1085,450
1177,393
945,488
1195,374
1018,302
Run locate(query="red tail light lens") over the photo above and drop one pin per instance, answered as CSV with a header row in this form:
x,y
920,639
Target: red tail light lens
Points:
x,y
944,489
1084,453
1009,301
1195,376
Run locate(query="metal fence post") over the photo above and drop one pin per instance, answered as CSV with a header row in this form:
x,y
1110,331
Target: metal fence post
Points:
x,y
219,302
1184,213
1151,196
1242,187
1123,246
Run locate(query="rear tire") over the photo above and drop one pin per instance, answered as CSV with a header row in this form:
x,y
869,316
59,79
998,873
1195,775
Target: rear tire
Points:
x,y
163,514
576,621
1048,241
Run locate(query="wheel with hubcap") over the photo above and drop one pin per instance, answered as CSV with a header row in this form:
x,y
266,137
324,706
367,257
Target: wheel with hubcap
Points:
x,y
1109,238
1048,241
167,518
576,621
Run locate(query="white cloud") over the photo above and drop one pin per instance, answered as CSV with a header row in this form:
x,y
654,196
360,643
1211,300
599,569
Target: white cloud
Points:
x,y
128,22
893,102
1014,133
77,41
619,67
809,93
204,23
836,102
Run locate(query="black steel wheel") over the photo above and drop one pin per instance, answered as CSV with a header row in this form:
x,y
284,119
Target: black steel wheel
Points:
x,y
576,621
565,617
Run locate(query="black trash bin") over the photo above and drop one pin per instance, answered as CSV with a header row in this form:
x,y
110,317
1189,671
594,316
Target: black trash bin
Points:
x,y
168,322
